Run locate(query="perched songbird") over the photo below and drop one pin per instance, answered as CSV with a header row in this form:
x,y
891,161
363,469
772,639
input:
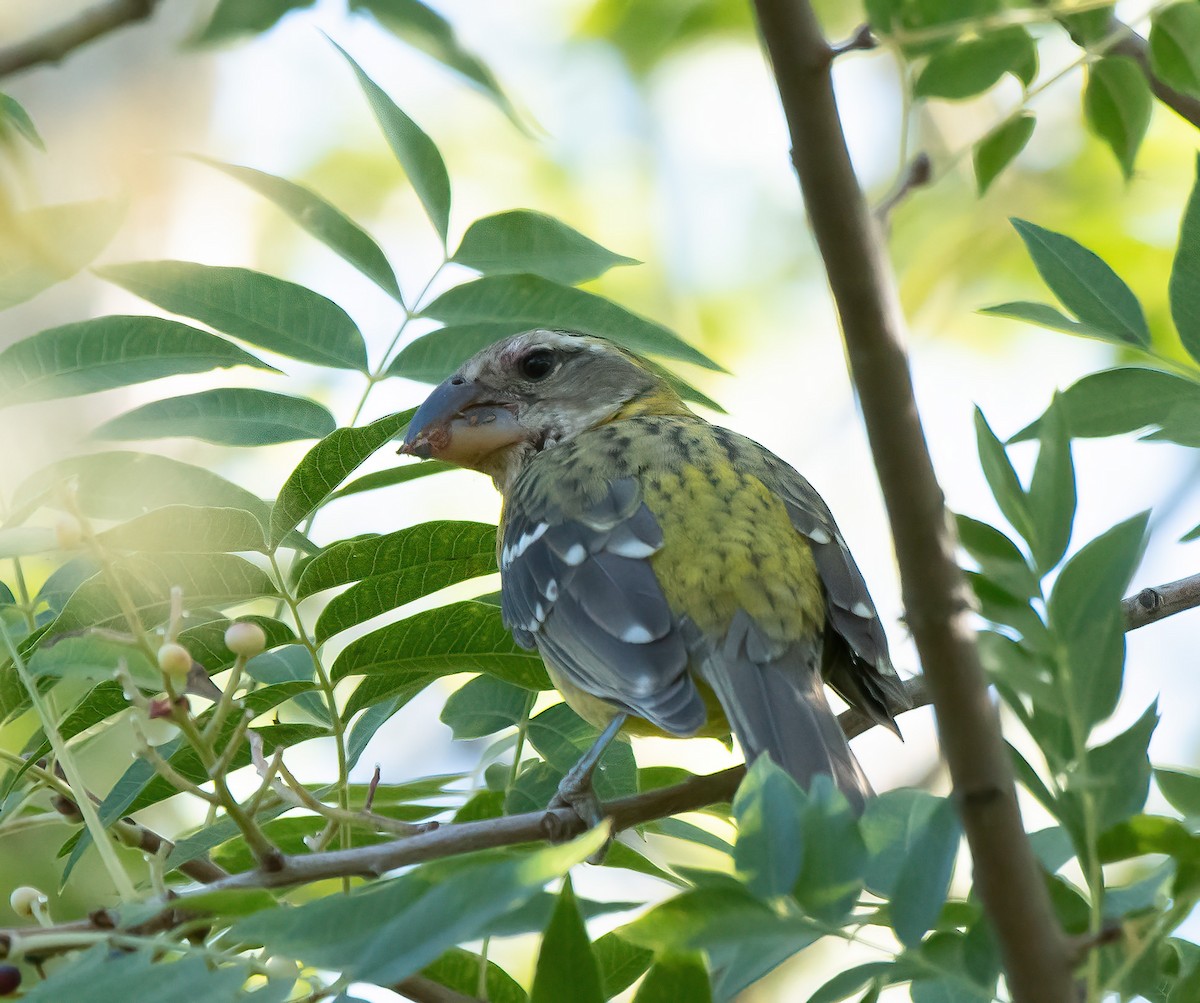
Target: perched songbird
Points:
x,y
667,569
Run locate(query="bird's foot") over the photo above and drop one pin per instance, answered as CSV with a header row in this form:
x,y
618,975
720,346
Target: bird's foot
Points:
x,y
575,791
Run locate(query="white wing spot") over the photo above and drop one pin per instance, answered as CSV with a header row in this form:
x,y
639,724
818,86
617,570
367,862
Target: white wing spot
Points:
x,y
819,535
631,547
862,609
551,590
636,634
575,555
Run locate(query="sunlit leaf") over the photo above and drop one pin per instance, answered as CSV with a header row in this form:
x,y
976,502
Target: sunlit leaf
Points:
x,y
266,311
400,474
675,977
14,118
621,963
325,466
1051,497
459,970
1184,286
484,706
433,357
43,246
1044,315
566,968
998,557
532,301
769,807
522,240
105,976
563,737
109,352
388,932
206,641
1181,788
1002,479
923,878
325,222
1118,103
417,153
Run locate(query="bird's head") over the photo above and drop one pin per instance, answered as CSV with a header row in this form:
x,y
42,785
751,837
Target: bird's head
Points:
x,y
530,392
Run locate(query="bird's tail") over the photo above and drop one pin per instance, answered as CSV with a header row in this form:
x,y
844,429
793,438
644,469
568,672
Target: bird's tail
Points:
x,y
778,706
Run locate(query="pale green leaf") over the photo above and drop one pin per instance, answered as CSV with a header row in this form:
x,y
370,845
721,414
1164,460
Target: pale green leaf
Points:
x,y
188,529
998,149
1175,47
1118,103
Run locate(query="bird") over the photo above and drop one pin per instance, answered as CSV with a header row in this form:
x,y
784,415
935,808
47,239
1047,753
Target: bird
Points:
x,y
676,577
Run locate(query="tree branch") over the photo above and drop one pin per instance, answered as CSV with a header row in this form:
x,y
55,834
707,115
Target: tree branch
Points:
x,y
1133,45
63,39
1008,878
1154,604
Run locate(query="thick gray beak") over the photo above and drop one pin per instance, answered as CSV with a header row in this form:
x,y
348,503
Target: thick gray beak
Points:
x,y
461,422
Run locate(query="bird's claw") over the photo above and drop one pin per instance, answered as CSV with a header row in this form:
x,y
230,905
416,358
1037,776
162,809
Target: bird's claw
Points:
x,y
575,791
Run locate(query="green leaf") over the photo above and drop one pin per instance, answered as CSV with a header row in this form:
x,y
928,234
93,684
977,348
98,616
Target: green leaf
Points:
x,y
232,18
14,118
835,855
1044,315
325,466
675,977
325,222
1051,497
230,416
415,151
923,879
206,641
968,68
428,31
532,301
121,485
43,246
206,580
265,311
845,984
433,357
187,529
998,557
892,825
459,970
1089,27
1181,788
522,240
621,963
566,968
1085,616
103,976
1184,286
1119,771
1002,479
1084,283
461,637
1127,399
769,806
1175,47
407,549
562,737
484,706
392,476
109,352
393,929
999,148
93,658
1117,102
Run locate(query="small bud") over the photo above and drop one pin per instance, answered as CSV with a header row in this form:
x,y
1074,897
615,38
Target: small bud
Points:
x,y
68,532
280,968
175,660
10,979
67,808
245,638
162,707
24,899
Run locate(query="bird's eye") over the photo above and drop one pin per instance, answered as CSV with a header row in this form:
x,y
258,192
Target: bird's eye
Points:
x,y
537,364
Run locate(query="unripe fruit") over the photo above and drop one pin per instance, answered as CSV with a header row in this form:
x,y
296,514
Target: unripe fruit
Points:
x,y
10,980
174,660
280,968
23,900
245,638
68,532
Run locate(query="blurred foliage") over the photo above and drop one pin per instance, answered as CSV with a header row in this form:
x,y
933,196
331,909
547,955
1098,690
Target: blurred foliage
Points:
x,y
143,552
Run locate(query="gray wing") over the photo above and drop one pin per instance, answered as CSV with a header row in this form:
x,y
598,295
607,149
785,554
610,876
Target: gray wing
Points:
x,y
857,663
582,590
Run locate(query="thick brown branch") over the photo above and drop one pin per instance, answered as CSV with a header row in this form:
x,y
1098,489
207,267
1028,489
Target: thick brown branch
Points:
x,y
1154,604
63,39
1008,878
422,990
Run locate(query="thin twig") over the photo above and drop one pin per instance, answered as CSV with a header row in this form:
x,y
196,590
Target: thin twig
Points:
x,y
61,40
917,174
936,597
862,40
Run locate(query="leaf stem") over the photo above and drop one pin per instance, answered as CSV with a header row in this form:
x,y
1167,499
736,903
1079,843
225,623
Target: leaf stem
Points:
x,y
66,760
